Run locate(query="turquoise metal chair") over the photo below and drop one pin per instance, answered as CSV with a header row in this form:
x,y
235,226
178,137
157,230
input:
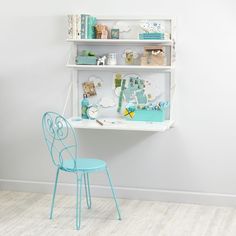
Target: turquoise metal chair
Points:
x,y
62,144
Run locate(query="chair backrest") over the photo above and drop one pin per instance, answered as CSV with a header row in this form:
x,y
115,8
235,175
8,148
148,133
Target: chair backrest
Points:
x,y
60,138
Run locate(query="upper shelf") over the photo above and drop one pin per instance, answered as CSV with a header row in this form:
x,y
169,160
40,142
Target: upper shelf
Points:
x,y
120,41
118,67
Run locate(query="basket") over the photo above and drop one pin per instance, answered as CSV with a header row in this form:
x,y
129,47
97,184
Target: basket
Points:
x,y
86,60
148,115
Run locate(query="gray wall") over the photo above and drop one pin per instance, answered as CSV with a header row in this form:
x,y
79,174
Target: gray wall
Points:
x,y
195,158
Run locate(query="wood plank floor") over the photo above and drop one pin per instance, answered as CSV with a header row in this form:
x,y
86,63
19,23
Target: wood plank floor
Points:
x,y
27,214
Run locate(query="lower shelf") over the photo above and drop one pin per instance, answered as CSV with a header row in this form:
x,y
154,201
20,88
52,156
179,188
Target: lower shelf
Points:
x,y
119,124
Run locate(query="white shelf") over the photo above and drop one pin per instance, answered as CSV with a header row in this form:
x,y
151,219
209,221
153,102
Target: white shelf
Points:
x,y
119,124
102,46
120,41
118,67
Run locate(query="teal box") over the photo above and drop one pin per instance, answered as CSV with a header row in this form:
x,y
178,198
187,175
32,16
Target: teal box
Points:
x,y
148,115
86,60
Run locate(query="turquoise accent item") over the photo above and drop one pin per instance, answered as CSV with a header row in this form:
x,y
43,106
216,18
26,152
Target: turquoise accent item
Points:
x,y
152,36
91,34
164,105
83,25
131,107
62,145
86,60
148,115
84,107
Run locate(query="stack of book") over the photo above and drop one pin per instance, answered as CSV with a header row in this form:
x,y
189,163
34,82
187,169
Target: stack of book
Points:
x,y
152,36
81,26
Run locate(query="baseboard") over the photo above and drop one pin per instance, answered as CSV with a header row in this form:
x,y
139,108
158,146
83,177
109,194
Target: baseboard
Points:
x,y
124,192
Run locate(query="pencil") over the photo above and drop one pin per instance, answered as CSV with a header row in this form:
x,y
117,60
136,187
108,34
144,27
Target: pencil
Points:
x,y
99,122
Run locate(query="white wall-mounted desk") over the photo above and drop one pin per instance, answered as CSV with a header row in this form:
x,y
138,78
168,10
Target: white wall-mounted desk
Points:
x,y
120,124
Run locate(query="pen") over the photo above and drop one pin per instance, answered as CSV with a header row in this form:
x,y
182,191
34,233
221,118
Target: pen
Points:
x,y
99,122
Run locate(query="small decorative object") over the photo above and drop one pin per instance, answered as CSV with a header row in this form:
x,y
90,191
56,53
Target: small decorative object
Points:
x,y
107,102
96,80
115,33
152,27
122,26
101,31
111,59
101,61
117,80
130,110
129,56
86,58
104,34
89,88
88,53
84,107
92,112
153,56
141,97
121,95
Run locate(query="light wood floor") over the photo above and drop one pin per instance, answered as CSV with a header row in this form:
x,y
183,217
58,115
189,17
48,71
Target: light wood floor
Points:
x,y
27,214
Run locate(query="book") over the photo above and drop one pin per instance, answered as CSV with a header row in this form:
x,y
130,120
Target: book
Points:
x,y
157,36
83,26
70,26
77,27
91,22
86,26
73,26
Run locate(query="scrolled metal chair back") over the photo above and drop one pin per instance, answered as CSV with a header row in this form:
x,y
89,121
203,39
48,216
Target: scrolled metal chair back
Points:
x,y
60,138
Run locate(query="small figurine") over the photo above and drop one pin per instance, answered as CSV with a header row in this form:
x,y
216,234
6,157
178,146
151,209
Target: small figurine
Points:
x,y
101,31
101,61
104,32
129,56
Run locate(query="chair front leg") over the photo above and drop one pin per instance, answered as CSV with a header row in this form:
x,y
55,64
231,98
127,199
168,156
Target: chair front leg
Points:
x,y
54,194
113,194
87,190
79,180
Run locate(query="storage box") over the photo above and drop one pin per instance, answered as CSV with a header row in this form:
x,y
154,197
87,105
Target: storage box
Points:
x,y
86,60
150,59
148,115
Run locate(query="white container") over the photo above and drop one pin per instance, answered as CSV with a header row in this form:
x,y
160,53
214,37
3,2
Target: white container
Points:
x,y
111,60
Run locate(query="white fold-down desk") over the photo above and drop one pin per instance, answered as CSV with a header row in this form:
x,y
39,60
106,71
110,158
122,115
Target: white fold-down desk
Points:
x,y
119,124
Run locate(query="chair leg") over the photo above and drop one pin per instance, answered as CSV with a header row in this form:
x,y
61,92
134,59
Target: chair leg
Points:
x,y
87,190
79,181
113,194
54,193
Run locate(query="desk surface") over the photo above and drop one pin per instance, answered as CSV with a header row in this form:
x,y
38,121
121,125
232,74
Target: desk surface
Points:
x,y
119,124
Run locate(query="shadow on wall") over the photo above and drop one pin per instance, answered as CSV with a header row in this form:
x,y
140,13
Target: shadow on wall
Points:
x,y
106,144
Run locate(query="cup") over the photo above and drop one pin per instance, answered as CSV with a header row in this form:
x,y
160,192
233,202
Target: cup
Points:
x,y
111,60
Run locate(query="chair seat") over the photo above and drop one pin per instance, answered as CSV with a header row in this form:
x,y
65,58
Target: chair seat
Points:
x,y
83,164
